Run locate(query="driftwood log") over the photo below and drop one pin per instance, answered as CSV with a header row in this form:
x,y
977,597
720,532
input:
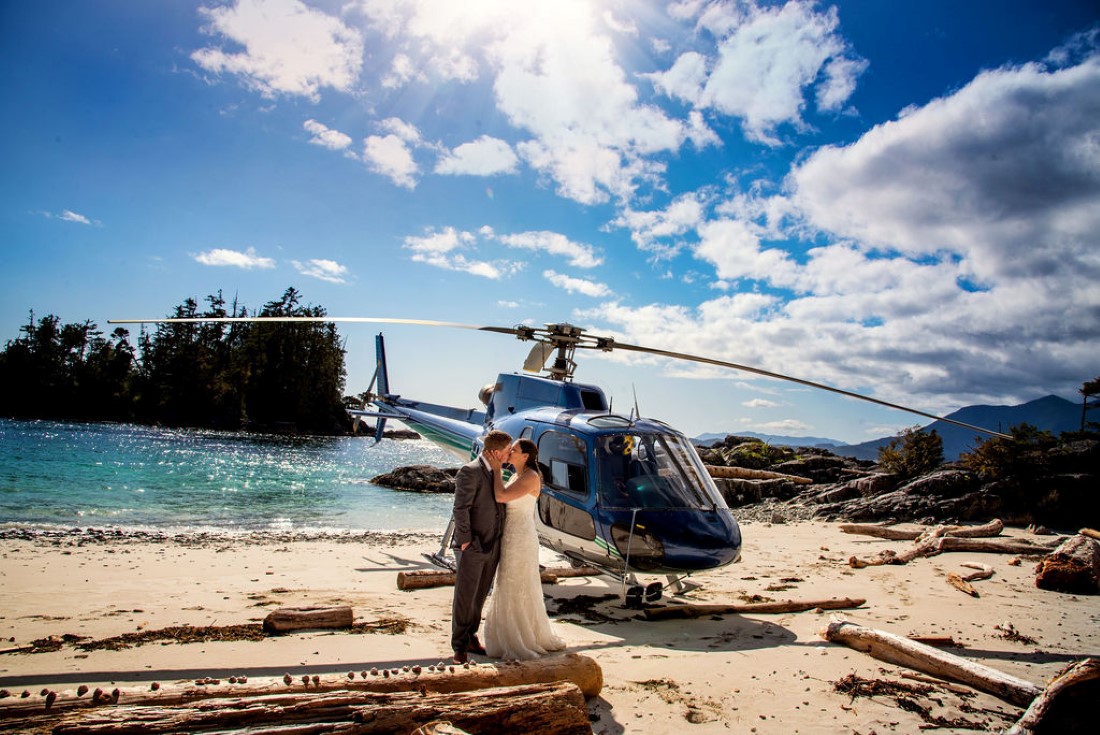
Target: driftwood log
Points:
x,y
555,708
896,649
19,715
672,612
1073,567
962,582
948,538
992,528
1067,705
287,619
744,473
424,578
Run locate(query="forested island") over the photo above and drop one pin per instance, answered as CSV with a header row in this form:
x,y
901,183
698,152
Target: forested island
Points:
x,y
240,375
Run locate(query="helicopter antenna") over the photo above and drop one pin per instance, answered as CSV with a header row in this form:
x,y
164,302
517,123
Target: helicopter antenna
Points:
x,y
637,410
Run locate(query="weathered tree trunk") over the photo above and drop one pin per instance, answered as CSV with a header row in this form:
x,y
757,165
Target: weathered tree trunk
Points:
x,y
671,612
994,545
287,619
1090,532
425,578
1073,567
583,671
556,708
1067,705
904,652
992,528
744,473
938,543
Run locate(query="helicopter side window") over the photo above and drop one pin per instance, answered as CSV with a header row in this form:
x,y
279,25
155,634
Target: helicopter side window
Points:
x,y
564,462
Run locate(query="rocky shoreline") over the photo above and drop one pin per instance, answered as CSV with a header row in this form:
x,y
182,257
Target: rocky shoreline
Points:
x,y
1057,489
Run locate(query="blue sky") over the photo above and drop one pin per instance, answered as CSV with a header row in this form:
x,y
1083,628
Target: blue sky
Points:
x,y
901,199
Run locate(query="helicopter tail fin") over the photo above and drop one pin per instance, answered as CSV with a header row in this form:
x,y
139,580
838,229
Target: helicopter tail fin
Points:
x,y
382,373
383,378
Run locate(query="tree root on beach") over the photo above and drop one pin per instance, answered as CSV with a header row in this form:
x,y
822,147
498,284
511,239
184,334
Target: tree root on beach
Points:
x,y
918,698
196,634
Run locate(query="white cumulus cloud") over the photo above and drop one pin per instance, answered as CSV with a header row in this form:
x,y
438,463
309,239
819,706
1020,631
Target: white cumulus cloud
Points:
x,y
224,257
486,156
767,59
322,269
577,285
554,243
282,47
442,249
325,136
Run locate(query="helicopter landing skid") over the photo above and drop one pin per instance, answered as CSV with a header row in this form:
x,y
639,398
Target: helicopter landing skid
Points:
x,y
681,585
636,595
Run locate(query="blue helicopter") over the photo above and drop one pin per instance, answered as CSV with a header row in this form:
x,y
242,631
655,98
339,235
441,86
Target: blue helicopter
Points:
x,y
622,493
625,494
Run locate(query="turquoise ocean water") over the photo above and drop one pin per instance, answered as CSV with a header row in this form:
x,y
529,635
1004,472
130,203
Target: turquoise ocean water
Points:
x,y
74,475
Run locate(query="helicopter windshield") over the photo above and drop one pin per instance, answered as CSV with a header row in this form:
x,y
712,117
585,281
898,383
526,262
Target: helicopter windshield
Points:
x,y
653,471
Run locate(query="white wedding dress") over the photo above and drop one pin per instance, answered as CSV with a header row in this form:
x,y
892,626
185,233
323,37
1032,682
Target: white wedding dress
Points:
x,y
517,626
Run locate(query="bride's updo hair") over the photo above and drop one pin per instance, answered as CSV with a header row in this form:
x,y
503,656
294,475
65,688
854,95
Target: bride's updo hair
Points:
x,y
529,448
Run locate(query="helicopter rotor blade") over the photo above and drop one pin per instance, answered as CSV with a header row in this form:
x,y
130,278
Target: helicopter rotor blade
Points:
x,y
801,381
556,335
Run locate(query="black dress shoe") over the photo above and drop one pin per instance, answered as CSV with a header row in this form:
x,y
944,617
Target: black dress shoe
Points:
x,y
461,657
476,647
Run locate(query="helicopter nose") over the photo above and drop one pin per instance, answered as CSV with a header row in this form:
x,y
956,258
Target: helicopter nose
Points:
x,y
689,540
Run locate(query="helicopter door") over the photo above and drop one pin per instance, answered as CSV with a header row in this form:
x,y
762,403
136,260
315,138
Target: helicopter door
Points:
x,y
564,503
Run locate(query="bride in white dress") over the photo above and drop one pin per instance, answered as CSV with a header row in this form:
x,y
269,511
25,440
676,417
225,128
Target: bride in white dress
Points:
x,y
517,626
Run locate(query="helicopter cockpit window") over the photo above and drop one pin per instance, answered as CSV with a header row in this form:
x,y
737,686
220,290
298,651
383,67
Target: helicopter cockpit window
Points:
x,y
653,471
564,463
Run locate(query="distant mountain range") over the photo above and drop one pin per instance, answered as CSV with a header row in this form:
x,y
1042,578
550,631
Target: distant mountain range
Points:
x,y
777,439
1051,414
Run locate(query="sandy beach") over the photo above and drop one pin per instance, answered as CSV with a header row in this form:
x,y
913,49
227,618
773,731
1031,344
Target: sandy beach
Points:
x,y
731,673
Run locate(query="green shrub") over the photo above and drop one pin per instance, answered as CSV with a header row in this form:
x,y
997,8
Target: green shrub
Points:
x,y
1019,457
912,453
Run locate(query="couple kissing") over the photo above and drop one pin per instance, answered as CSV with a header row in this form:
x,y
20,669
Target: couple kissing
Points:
x,y
496,548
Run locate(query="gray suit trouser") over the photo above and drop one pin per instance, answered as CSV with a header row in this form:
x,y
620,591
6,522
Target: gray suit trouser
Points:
x,y
473,579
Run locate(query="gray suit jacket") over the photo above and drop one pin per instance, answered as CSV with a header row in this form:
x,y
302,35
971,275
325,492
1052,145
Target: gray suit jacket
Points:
x,y
477,514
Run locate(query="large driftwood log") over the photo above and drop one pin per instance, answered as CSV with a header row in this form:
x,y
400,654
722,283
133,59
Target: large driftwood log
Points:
x,y
1073,567
287,619
581,670
744,473
898,650
425,578
557,708
671,612
1067,705
937,542
992,528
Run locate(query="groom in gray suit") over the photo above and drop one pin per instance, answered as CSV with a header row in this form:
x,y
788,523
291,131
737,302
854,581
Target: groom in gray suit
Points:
x,y
478,519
